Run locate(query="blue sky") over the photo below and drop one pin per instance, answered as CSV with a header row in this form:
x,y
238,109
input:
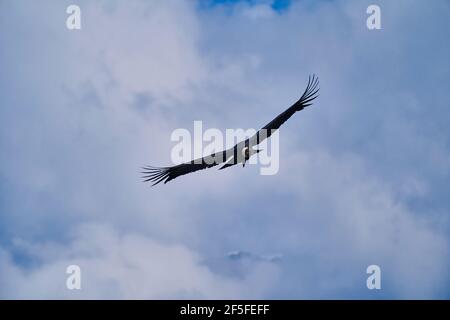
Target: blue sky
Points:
x,y
277,5
363,175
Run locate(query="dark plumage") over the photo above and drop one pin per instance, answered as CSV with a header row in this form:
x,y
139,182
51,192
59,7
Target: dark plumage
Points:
x,y
159,174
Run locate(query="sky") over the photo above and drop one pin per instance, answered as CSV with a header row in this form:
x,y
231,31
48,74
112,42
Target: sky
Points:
x,y
363,177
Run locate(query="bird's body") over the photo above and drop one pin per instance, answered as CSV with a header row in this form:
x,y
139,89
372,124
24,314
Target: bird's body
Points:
x,y
241,152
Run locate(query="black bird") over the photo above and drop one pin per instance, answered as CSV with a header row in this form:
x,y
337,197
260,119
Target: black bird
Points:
x,y
242,151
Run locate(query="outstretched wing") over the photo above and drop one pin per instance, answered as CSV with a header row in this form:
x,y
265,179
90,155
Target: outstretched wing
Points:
x,y
160,174
157,175
311,93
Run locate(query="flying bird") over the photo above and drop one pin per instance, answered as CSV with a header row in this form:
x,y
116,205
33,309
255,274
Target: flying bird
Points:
x,y
242,151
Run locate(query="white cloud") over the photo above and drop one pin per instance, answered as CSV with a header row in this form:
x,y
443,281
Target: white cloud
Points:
x,y
359,220
87,109
122,267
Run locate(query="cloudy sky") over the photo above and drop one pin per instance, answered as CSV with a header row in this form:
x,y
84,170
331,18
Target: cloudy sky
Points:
x,y
363,178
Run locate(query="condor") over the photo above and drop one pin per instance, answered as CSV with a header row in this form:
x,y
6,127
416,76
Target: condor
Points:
x,y
242,151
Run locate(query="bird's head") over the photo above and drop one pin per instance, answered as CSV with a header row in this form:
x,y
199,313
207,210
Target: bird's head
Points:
x,y
248,152
254,151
